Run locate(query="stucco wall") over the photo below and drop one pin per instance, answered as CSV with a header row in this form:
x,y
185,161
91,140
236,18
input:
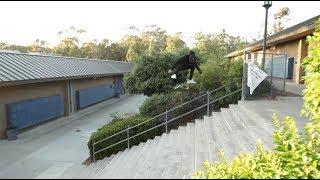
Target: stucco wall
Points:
x,y
292,49
296,49
16,93
87,83
29,91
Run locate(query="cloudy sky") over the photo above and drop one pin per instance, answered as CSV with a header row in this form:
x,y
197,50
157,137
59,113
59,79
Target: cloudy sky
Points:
x,y
23,22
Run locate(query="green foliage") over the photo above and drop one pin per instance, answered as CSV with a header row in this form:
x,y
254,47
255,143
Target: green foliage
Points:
x,y
115,116
156,104
294,155
217,46
117,126
291,158
150,75
312,78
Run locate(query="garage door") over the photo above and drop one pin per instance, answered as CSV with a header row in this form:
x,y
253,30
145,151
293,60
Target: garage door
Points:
x,y
87,97
26,113
119,84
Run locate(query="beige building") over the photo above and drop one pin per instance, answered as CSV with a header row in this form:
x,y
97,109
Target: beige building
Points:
x,y
291,41
37,88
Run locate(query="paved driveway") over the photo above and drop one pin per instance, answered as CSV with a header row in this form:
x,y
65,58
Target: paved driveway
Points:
x,y
48,150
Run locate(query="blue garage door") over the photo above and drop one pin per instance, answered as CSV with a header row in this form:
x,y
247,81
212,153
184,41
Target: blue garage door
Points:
x,y
119,84
26,113
87,97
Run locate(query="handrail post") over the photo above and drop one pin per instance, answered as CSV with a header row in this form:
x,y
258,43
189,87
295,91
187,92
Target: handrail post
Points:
x,y
94,157
271,80
285,73
128,128
166,121
244,77
208,103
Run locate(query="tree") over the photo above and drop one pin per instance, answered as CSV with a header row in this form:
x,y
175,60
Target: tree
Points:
x,y
280,17
132,53
89,50
116,52
214,47
71,42
39,46
68,47
175,43
102,49
150,75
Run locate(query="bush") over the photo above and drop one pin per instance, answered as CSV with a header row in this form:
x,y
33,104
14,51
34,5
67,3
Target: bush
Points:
x,y
150,75
117,126
291,158
115,116
312,78
156,104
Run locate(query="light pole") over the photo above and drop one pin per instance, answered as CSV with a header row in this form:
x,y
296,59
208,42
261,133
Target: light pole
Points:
x,y
267,5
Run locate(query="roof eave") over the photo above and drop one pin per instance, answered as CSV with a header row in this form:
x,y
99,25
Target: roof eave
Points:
x,y
301,32
21,82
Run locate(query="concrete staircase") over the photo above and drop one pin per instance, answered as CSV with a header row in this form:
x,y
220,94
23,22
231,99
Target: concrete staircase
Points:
x,y
179,153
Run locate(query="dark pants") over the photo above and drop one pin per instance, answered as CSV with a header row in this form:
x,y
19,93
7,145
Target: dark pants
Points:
x,y
183,67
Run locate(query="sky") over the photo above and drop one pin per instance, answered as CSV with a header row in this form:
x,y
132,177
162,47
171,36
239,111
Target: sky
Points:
x,y
23,22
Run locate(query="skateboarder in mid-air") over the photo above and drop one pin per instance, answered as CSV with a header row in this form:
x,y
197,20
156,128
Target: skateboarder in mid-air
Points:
x,y
188,61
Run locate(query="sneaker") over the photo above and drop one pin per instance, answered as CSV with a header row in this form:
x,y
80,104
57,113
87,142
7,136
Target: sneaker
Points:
x,y
174,76
191,81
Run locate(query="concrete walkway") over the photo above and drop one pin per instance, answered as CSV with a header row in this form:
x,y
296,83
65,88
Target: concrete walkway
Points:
x,y
50,149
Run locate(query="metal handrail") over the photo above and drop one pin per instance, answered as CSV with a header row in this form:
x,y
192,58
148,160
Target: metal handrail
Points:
x,y
95,143
164,123
126,129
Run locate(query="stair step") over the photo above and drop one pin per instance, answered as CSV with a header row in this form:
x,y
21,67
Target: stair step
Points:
x,y
213,136
99,167
175,157
201,145
125,166
189,168
227,140
208,132
246,107
180,153
177,170
168,156
110,166
257,128
237,130
142,155
146,161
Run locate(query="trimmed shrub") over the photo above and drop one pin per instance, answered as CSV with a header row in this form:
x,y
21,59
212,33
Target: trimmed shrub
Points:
x,y
117,126
156,104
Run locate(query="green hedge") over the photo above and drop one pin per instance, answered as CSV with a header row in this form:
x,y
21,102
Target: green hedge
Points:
x,y
156,104
117,126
